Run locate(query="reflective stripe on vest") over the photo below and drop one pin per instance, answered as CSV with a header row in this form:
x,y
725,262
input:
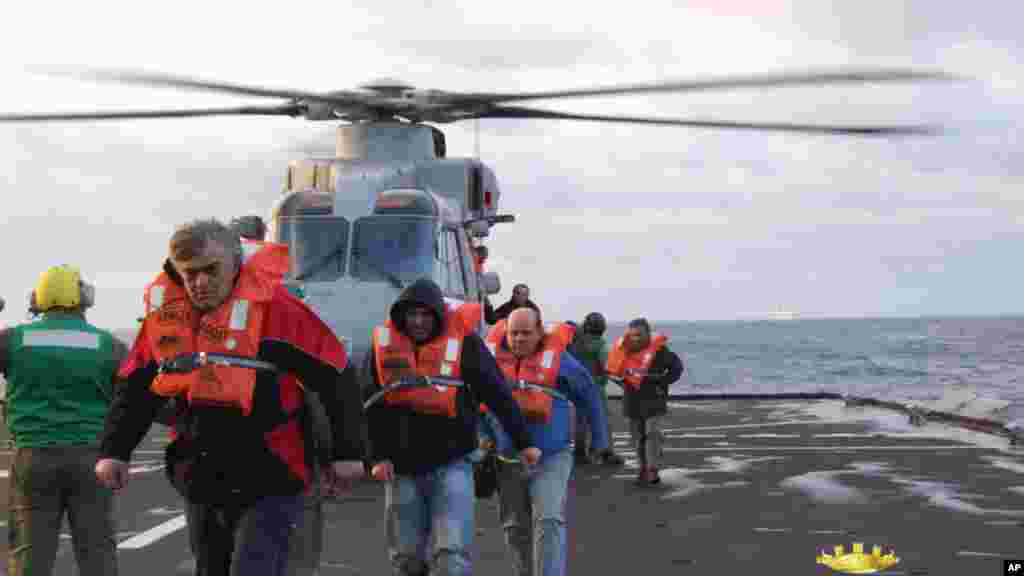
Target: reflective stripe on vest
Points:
x,y
624,365
396,357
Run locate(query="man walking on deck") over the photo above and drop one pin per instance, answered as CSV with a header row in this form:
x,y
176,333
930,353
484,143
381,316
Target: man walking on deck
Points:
x,y
520,299
422,439
533,500
645,366
60,373
239,455
591,349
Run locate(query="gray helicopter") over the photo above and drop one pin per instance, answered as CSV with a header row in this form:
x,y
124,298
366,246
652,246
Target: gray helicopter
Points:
x,y
390,206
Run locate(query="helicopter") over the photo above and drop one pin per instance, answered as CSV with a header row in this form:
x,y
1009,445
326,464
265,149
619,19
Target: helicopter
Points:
x,y
390,206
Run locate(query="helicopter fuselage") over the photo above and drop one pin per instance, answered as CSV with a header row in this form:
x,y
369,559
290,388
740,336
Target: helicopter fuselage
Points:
x,y
384,212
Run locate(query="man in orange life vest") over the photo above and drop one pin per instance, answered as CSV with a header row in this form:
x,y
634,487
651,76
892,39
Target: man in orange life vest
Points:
x,y
275,261
422,440
533,505
646,368
240,455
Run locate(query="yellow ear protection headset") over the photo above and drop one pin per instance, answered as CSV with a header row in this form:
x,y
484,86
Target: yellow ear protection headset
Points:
x,y
61,287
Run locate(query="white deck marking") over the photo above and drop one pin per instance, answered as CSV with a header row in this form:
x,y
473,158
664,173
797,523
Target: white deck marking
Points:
x,y
759,425
819,448
145,469
981,554
155,533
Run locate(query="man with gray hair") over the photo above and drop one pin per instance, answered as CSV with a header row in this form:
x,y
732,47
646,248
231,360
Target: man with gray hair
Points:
x,y
239,451
304,557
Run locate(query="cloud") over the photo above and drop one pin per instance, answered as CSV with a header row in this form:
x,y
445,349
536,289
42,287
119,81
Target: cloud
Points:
x,y
665,222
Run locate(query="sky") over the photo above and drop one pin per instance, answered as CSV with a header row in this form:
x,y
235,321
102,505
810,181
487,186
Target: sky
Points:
x,y
668,223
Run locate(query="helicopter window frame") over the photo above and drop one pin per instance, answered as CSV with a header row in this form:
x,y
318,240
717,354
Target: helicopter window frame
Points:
x,y
339,253
468,264
455,285
354,268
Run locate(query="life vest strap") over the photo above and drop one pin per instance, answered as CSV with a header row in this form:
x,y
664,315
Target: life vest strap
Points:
x,y
524,385
414,382
186,363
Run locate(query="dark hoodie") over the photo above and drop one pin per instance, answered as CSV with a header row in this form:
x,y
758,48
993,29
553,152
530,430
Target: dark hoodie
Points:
x,y
417,443
505,309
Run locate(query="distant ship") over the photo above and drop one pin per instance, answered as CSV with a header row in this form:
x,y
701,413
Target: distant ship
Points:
x,y
783,314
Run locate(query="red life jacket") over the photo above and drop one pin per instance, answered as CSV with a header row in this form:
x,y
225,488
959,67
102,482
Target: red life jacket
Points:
x,y
467,314
173,327
269,258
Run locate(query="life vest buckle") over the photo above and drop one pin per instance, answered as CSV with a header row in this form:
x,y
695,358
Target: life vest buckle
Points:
x,y
182,364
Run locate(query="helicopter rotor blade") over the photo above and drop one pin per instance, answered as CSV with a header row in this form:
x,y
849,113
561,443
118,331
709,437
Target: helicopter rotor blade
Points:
x,y
286,110
171,81
723,83
518,112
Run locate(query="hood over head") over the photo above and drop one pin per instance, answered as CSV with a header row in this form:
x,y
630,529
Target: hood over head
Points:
x,y
423,292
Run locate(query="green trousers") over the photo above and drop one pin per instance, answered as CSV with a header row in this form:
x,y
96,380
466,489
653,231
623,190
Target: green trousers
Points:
x,y
47,483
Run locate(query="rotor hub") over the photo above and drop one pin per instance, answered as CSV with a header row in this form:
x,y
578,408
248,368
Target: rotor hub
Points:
x,y
387,86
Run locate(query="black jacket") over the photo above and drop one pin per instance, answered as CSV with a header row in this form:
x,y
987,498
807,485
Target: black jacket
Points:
x,y
505,309
299,344
651,399
417,443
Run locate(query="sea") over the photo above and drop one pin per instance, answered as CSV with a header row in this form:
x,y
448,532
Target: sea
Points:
x,y
886,358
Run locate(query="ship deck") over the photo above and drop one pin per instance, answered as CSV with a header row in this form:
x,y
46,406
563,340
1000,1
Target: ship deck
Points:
x,y
746,484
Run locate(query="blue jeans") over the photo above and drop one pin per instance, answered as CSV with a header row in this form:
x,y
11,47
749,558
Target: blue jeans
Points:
x,y
533,514
440,506
244,541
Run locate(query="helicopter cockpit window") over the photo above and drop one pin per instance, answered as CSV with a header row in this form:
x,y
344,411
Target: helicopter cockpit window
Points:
x,y
453,262
318,246
393,248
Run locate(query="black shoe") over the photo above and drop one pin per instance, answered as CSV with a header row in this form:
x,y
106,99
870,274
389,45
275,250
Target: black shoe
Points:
x,y
610,458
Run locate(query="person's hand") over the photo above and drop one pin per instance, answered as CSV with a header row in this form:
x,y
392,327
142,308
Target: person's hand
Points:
x,y
383,471
112,473
340,476
530,456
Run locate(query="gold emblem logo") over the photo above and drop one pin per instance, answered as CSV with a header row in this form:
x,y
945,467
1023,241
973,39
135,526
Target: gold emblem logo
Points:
x,y
856,561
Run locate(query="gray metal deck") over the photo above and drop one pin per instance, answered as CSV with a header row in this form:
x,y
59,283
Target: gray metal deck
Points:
x,y
747,485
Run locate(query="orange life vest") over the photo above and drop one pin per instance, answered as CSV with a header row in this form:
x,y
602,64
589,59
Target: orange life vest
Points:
x,y
467,314
269,258
540,369
173,328
397,356
561,332
622,364
564,332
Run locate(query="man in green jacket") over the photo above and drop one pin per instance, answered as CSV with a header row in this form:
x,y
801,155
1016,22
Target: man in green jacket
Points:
x,y
60,373
591,350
